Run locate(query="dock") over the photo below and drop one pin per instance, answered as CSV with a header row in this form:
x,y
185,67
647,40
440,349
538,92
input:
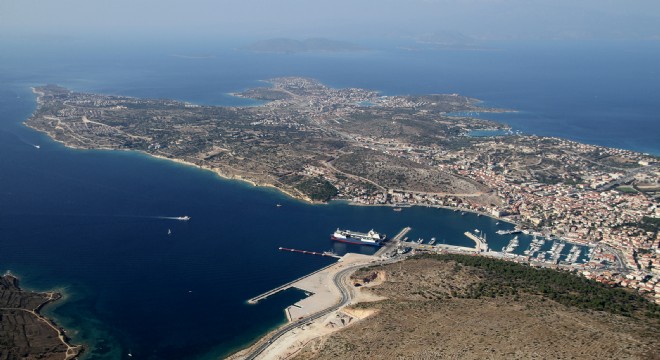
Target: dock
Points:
x,y
480,242
393,242
454,248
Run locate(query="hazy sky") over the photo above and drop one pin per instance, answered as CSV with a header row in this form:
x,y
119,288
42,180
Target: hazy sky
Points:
x,y
340,19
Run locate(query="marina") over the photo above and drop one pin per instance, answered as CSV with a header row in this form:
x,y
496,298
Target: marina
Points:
x,y
508,232
513,244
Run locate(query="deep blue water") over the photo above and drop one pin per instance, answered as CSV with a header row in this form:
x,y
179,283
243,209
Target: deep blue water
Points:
x,y
88,221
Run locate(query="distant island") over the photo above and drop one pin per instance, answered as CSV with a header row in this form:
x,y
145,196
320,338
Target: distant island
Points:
x,y
24,332
445,41
292,46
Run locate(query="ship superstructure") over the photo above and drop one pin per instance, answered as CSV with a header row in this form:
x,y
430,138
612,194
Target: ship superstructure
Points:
x,y
371,238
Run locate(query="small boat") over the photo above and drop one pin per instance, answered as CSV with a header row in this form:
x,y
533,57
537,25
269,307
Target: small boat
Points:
x,y
397,209
169,231
182,218
279,205
37,146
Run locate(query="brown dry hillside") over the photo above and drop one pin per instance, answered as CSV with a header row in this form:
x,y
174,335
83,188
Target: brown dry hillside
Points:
x,y
24,334
460,307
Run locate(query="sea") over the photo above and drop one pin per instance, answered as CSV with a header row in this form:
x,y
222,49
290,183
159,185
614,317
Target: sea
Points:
x,y
98,225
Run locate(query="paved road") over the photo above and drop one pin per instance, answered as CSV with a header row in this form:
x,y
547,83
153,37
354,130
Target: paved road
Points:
x,y
339,281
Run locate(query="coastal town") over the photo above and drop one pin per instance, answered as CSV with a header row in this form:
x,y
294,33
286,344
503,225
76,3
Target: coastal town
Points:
x,y
317,143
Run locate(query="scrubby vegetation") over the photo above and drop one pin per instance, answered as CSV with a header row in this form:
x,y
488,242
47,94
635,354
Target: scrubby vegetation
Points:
x,y
317,188
469,307
505,278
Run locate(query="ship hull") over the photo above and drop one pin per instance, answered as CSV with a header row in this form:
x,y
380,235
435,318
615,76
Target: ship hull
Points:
x,y
355,242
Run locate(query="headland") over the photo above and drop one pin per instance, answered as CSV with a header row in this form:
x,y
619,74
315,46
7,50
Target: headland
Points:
x,y
459,306
361,306
24,332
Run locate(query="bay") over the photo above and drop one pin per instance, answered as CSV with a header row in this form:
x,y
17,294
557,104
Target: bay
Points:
x,y
90,222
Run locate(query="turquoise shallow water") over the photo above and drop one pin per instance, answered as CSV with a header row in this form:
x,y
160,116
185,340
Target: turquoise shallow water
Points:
x,y
89,222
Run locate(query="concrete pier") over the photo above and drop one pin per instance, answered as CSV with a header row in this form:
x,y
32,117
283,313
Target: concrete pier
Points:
x,y
454,248
481,244
393,242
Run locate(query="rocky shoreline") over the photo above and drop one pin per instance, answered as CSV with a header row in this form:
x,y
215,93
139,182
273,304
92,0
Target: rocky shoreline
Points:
x,y
24,332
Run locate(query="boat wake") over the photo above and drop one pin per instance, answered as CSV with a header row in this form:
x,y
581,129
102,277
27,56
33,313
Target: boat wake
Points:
x,y
179,218
36,146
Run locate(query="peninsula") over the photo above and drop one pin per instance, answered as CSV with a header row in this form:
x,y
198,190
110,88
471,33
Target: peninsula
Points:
x,y
24,332
318,143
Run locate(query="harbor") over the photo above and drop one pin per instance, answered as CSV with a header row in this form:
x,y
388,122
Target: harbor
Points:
x,y
392,244
318,285
328,291
479,239
304,282
400,244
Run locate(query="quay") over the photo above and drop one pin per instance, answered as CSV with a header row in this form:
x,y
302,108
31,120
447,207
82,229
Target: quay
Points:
x,y
480,242
392,243
389,245
454,248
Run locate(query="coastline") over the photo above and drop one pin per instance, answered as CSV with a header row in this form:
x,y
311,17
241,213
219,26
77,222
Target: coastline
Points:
x,y
217,172
237,352
48,297
228,176
320,314
225,176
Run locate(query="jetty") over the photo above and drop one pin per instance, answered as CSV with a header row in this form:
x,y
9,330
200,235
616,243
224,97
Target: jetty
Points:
x,y
393,242
455,248
326,253
508,232
480,241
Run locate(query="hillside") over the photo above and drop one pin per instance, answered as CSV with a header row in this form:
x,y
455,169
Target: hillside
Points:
x,y
452,306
